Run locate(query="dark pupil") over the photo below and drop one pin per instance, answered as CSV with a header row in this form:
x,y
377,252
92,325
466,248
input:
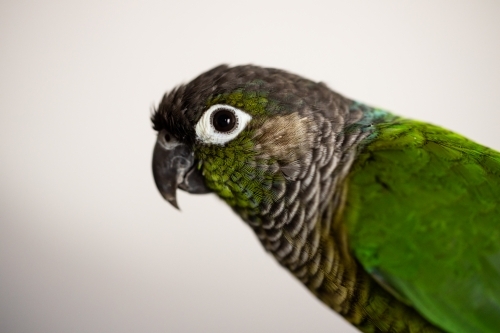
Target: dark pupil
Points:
x,y
224,120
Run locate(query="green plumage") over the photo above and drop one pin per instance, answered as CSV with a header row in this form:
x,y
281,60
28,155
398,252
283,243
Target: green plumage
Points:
x,y
423,214
393,223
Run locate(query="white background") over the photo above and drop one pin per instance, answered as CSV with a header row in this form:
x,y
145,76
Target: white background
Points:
x,y
86,242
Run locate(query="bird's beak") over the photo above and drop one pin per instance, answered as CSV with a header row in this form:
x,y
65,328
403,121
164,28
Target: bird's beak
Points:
x,y
174,167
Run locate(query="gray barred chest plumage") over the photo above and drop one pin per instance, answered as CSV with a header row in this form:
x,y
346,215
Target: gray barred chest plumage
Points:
x,y
297,226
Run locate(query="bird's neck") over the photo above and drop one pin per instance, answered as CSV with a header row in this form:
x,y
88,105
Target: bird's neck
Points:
x,y
304,232
293,227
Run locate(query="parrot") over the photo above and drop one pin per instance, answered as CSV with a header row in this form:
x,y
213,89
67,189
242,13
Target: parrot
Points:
x,y
391,222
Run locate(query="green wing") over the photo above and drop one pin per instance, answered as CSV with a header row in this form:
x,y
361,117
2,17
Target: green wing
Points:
x,y
423,216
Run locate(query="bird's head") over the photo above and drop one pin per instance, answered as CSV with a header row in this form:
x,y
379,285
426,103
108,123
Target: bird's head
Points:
x,y
246,133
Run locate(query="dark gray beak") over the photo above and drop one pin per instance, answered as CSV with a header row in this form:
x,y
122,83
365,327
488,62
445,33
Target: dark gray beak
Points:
x,y
174,167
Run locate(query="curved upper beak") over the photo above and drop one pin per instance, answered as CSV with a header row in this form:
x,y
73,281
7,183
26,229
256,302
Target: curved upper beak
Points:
x,y
174,167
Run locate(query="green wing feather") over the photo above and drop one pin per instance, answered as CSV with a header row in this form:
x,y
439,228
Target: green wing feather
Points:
x,y
423,217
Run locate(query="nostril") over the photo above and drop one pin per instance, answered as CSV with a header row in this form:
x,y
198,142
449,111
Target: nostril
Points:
x,y
166,140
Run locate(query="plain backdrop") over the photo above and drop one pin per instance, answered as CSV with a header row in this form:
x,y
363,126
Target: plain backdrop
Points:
x,y
87,244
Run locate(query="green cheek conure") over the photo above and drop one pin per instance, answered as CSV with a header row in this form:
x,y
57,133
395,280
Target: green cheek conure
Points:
x,y
391,222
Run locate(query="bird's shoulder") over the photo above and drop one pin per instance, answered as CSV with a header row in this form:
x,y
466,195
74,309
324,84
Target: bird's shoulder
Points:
x,y
423,216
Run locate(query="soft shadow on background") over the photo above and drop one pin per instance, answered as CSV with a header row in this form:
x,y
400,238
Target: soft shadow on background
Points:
x,y
86,242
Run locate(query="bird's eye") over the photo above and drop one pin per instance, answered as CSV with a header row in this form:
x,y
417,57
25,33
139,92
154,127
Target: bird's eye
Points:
x,y
224,120
221,123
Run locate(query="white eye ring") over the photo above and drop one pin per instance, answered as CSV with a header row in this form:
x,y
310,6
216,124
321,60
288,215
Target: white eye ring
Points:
x,y
206,131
